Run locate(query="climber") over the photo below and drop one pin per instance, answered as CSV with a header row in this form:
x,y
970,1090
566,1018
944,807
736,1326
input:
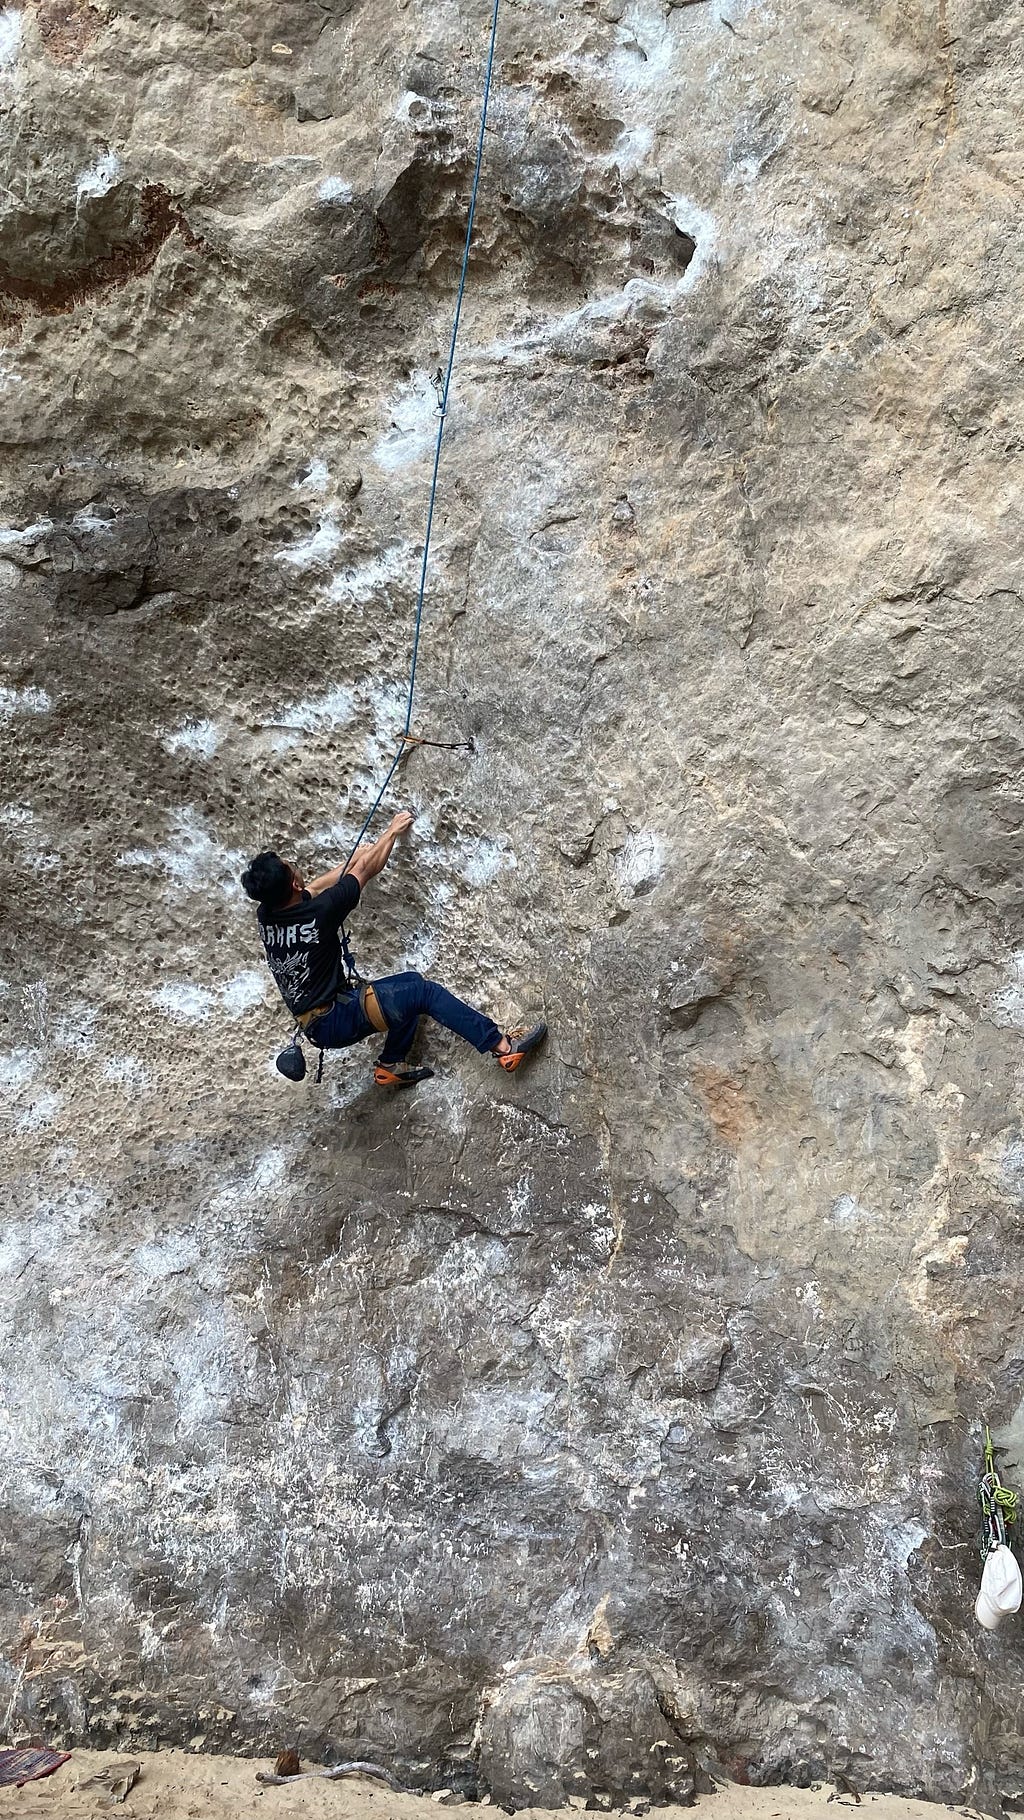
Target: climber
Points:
x,y
301,928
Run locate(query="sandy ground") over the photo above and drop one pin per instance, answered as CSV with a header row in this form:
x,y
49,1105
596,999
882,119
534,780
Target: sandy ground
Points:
x,y
176,1785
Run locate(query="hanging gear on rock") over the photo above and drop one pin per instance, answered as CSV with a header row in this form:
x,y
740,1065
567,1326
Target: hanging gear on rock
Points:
x,y
302,929
1002,1585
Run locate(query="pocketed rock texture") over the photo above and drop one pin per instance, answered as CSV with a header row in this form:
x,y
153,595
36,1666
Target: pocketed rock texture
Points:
x,y
576,1434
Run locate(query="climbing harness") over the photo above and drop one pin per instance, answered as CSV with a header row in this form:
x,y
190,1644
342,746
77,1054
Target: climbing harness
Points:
x,y
292,1063
1002,1585
371,1008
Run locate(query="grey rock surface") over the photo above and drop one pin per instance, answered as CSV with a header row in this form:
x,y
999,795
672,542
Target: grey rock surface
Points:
x,y
577,1434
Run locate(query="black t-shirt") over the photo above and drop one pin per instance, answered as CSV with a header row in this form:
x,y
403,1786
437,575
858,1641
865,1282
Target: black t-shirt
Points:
x,y
302,947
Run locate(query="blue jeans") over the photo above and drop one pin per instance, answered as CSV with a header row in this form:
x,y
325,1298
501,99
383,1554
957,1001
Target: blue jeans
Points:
x,y
345,1023
404,998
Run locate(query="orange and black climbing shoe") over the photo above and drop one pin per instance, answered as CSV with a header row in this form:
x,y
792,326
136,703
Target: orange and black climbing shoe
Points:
x,y
523,1044
400,1077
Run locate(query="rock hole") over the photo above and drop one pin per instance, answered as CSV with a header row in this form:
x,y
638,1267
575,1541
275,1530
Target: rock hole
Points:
x,y
685,247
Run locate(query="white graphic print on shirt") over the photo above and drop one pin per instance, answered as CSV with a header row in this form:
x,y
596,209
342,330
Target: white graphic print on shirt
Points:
x,y
291,971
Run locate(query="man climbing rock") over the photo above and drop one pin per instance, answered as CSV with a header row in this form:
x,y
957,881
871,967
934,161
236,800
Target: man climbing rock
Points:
x,y
302,930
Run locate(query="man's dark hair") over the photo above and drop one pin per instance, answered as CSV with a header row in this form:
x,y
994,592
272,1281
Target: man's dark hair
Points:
x,y
268,880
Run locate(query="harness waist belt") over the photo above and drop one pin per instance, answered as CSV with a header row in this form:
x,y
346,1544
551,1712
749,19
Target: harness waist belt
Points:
x,y
305,1018
371,1008
369,1005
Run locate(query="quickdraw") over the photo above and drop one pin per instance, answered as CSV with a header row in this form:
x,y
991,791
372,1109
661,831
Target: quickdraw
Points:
x,y
353,977
1000,1507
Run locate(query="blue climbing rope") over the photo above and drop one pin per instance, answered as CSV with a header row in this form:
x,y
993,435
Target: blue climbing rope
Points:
x,y
404,737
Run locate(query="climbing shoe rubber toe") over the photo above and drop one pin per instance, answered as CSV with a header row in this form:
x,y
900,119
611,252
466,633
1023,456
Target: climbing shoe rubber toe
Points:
x,y
523,1044
401,1077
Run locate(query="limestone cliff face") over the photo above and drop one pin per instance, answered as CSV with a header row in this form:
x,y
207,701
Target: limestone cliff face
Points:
x,y
573,1433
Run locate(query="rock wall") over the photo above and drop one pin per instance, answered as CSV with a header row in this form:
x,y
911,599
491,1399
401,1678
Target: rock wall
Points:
x,y
577,1433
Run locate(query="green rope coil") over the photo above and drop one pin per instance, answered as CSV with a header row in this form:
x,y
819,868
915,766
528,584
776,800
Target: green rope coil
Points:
x,y
1000,1505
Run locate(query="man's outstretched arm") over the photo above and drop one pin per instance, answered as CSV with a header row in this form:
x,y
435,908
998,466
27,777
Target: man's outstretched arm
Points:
x,y
366,861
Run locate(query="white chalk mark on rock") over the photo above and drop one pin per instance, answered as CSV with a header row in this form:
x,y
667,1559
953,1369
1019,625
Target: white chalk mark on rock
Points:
x,y
183,1002
193,859
314,551
639,864
199,737
1006,1005
318,713
29,700
126,1071
186,1002
363,580
18,1067
42,1111
242,993
413,413
10,37
100,178
334,191
315,478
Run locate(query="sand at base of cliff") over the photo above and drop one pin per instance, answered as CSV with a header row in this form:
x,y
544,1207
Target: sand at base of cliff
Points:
x,y
177,1785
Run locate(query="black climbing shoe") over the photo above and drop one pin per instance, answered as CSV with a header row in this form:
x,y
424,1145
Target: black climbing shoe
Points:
x,y
523,1044
401,1077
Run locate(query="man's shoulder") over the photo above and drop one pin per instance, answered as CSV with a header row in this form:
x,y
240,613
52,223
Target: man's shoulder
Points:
x,y
342,897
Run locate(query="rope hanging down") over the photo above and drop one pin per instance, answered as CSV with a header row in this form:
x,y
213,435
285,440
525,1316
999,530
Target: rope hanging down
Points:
x,y
406,738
